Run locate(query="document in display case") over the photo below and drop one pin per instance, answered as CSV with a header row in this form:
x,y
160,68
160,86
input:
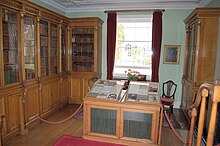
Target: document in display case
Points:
x,y
107,89
143,91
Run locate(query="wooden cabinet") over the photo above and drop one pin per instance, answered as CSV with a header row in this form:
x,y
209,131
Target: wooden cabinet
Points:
x,y
40,66
55,93
129,123
200,53
85,54
12,109
32,105
46,97
2,113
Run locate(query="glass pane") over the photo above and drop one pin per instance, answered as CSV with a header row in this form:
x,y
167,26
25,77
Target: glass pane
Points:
x,y
53,48
63,49
194,52
44,48
10,46
137,125
29,48
103,121
133,49
188,61
83,49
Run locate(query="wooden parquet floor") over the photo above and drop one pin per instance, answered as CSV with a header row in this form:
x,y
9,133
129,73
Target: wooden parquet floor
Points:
x,y
46,134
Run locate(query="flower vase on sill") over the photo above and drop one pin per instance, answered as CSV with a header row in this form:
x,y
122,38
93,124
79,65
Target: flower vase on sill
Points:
x,y
132,75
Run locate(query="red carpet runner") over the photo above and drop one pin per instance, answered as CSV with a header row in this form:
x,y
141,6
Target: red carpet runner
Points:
x,y
77,141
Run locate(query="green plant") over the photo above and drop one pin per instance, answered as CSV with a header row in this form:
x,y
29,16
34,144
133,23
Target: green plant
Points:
x,y
132,75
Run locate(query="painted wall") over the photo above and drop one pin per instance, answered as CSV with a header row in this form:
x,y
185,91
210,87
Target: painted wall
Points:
x,y
173,34
214,3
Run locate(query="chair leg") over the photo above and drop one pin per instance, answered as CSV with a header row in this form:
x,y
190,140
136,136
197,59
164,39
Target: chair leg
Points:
x,y
171,108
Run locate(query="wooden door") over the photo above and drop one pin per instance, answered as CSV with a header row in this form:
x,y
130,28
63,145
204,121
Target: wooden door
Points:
x,y
64,90
46,97
32,109
76,90
13,112
55,93
2,112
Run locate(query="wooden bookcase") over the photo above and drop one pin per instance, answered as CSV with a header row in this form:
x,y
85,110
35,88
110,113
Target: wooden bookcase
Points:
x,y
85,56
40,66
200,53
31,64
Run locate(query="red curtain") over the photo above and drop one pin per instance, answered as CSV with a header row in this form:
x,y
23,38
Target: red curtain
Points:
x,y
111,41
156,44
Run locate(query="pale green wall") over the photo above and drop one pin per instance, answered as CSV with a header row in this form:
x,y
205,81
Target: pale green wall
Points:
x,y
173,34
214,3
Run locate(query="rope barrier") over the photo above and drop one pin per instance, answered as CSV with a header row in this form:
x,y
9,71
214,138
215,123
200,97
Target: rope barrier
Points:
x,y
53,122
173,129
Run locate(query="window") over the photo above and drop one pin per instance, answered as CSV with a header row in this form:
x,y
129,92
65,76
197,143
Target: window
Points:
x,y
133,45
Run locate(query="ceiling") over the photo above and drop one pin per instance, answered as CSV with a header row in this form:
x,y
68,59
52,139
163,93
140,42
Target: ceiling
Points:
x,y
101,5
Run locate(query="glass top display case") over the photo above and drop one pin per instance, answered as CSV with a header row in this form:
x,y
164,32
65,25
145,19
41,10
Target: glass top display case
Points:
x,y
137,91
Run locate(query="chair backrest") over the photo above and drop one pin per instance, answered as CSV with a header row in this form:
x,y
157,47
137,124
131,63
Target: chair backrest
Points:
x,y
169,89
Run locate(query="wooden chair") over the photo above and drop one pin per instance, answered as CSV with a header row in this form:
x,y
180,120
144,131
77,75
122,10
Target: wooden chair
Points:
x,y
167,98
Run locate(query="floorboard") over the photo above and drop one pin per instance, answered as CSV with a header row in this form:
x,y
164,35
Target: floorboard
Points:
x,y
46,134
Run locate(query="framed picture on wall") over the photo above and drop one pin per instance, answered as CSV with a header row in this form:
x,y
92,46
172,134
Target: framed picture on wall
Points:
x,y
171,54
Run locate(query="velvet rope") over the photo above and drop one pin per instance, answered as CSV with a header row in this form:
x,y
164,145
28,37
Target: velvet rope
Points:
x,y
52,122
173,129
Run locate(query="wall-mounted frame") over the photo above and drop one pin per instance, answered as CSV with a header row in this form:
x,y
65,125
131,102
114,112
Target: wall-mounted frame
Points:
x,y
171,54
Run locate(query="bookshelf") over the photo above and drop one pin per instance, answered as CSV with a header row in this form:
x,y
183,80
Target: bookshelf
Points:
x,y
53,48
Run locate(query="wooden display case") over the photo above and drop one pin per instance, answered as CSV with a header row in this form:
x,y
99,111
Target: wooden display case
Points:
x,y
129,122
200,53
86,35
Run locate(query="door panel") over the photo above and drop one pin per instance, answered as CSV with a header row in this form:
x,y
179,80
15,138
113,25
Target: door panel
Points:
x,y
46,98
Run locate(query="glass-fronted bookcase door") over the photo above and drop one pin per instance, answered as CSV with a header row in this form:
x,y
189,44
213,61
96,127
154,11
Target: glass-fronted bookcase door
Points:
x,y
44,39
104,121
29,48
82,49
64,48
10,46
53,48
48,48
139,125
